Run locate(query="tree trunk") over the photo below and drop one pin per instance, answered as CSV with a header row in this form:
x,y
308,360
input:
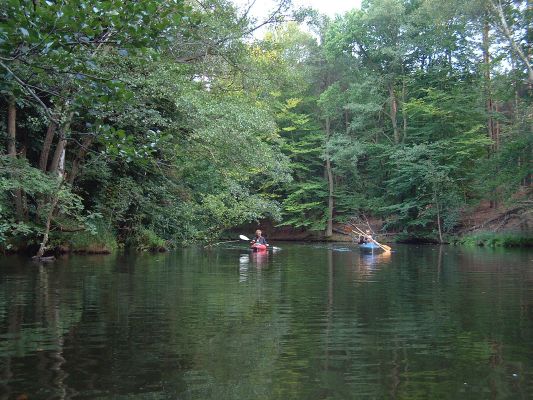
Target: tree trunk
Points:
x,y
53,205
12,128
12,152
61,145
79,158
43,160
329,173
438,218
346,121
529,41
57,167
404,112
394,113
24,197
60,148
42,246
497,130
487,74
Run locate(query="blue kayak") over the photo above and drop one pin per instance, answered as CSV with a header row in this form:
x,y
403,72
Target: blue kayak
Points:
x,y
369,246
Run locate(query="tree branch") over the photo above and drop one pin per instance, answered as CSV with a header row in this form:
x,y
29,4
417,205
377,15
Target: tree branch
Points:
x,y
507,32
28,90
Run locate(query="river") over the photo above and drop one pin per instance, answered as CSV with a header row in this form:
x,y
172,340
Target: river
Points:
x,y
309,321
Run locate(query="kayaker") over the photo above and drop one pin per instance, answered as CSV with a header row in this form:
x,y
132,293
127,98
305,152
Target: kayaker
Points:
x,y
367,238
259,239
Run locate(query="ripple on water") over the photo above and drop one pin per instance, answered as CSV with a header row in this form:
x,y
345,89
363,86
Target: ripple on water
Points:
x,y
310,322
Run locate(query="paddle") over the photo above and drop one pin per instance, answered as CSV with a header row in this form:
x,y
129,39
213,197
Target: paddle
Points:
x,y
383,246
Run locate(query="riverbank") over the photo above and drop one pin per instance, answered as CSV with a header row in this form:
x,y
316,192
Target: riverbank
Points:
x,y
481,225
86,244
490,239
100,240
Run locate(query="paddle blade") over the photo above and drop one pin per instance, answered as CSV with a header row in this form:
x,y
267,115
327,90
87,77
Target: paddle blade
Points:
x,y
242,237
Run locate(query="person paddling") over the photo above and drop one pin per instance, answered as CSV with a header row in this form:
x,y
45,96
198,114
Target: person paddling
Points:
x,y
259,239
367,238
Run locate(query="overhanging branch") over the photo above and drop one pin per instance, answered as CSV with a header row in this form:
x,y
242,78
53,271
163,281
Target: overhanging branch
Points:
x,y
30,91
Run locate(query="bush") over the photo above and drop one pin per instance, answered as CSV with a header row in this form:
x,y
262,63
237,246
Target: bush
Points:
x,y
429,238
490,239
147,240
99,240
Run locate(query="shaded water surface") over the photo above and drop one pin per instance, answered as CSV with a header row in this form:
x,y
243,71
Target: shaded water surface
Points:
x,y
307,322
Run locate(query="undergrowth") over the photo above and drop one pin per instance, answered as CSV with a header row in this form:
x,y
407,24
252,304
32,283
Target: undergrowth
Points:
x,y
490,239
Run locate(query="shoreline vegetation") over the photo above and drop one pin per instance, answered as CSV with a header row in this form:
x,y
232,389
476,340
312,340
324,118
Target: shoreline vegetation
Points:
x,y
89,244
490,239
156,124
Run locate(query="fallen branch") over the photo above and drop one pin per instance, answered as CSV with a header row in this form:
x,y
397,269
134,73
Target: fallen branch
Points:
x,y
62,228
505,217
216,244
340,231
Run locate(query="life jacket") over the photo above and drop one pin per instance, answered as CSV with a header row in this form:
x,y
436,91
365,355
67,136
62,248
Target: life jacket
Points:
x,y
260,240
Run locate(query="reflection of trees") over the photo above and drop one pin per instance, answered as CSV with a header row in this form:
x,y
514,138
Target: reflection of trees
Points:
x,y
38,316
237,331
315,323
403,333
182,324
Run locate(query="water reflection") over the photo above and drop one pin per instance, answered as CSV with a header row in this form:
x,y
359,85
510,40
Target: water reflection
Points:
x,y
308,322
372,262
244,264
260,258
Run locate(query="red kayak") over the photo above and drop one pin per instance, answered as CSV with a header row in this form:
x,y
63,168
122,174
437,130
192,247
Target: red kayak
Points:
x,y
259,247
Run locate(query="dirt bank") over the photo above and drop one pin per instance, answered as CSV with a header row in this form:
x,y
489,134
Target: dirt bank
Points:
x,y
516,217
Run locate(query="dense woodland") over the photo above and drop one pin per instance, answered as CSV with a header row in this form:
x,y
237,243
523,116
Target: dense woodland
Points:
x,y
161,122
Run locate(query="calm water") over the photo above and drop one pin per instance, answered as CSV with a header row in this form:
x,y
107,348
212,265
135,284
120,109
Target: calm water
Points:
x,y
307,322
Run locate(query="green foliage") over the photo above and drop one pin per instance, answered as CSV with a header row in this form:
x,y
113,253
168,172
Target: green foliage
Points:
x,y
304,206
16,174
408,108
13,234
331,101
147,240
178,129
99,239
178,151
507,170
423,186
225,210
489,239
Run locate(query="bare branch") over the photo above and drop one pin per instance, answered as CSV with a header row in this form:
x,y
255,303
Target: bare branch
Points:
x,y
248,9
57,71
212,46
270,19
507,32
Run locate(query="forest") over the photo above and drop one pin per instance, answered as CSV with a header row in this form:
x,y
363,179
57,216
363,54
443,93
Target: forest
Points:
x,y
158,123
